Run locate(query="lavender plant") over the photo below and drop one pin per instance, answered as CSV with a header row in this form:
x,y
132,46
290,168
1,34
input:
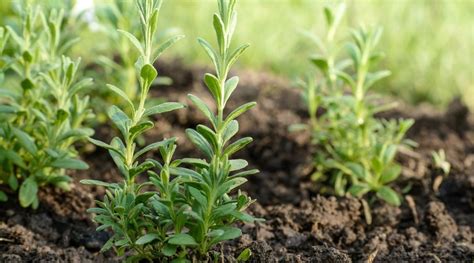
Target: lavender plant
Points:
x,y
357,149
119,66
192,208
212,207
133,215
42,108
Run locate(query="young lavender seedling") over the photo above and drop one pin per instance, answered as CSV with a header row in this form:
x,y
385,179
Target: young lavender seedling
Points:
x,y
357,150
133,215
119,66
440,163
208,190
42,109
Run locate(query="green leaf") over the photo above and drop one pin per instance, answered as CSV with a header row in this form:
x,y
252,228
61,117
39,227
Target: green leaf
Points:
x,y
358,171
389,153
5,109
202,200
374,77
328,15
70,163
28,192
121,94
14,158
230,185
78,133
210,52
25,140
230,86
236,54
145,239
155,146
185,172
61,116
163,107
119,159
390,174
229,233
105,146
209,135
213,85
148,73
389,195
95,182
237,145
230,130
27,84
142,198
133,40
169,250
358,190
246,173
204,109
245,255
238,164
219,29
243,216
200,142
182,239
141,168
13,182
321,63
239,111
140,128
120,119
223,210
169,43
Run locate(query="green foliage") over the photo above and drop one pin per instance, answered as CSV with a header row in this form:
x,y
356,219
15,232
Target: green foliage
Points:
x,y
191,209
42,109
214,209
440,162
141,221
118,65
357,151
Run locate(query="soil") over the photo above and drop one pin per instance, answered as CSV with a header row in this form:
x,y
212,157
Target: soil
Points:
x,y
434,224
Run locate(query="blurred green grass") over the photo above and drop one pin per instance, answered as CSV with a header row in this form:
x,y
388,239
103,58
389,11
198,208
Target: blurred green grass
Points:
x,y
429,44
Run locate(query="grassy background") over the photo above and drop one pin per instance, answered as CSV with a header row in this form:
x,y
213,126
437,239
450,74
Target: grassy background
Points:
x,y
429,44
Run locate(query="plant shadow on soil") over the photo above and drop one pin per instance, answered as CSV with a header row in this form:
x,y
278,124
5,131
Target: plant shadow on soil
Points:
x,y
300,226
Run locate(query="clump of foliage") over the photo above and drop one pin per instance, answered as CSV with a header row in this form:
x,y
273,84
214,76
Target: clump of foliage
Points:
x,y
119,66
213,209
191,209
356,150
42,109
126,209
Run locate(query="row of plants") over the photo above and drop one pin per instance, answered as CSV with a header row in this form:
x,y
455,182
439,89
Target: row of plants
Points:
x,y
185,206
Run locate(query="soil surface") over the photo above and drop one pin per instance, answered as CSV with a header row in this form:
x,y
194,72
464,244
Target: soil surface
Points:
x,y
435,223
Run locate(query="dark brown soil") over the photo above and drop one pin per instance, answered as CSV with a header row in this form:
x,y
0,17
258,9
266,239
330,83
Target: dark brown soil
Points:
x,y
300,226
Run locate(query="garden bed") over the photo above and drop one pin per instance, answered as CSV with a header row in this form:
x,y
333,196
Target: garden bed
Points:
x,y
300,226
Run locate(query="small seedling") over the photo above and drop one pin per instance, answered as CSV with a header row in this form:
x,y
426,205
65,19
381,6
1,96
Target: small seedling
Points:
x,y
42,110
119,65
440,163
212,208
143,222
357,151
